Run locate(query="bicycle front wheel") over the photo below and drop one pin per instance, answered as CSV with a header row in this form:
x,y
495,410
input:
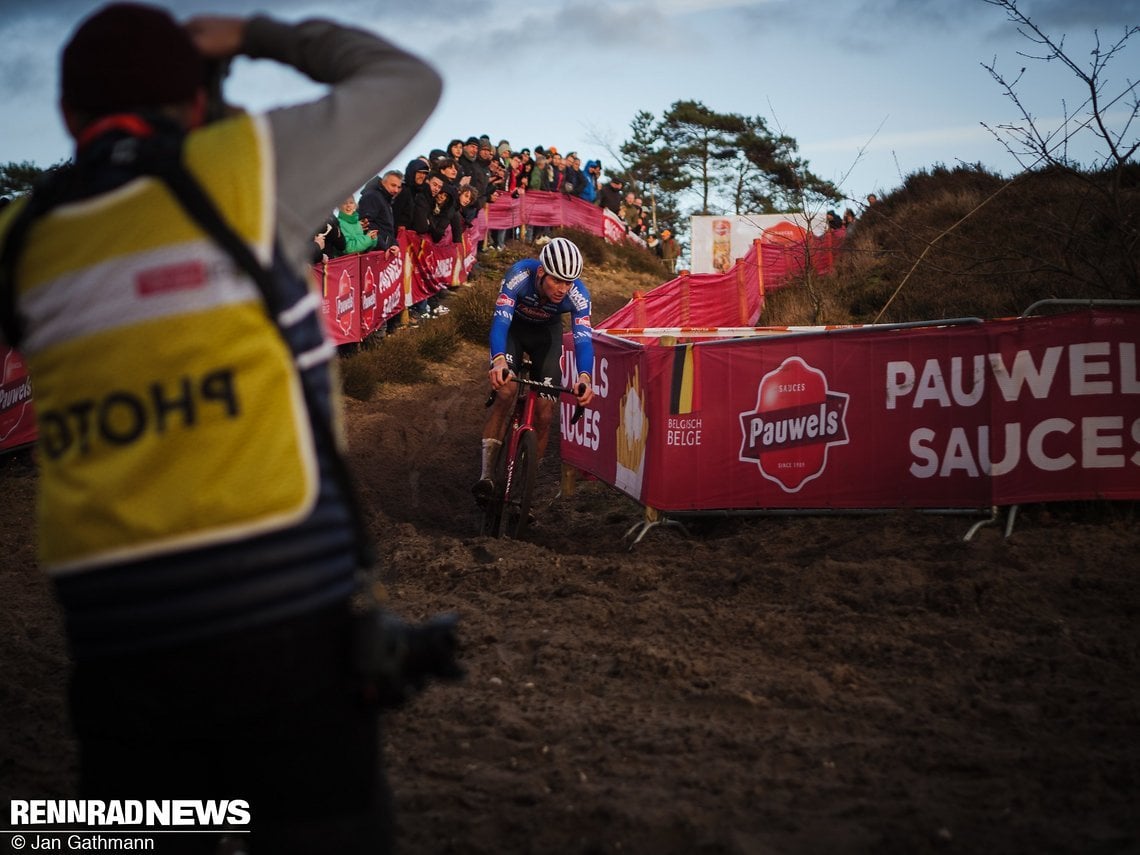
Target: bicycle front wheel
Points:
x,y
521,475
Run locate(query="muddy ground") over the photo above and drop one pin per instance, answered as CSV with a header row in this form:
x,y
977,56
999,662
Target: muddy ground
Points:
x,y
763,685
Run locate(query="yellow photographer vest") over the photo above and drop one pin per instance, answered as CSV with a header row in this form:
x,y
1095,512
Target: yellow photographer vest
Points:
x,y
169,410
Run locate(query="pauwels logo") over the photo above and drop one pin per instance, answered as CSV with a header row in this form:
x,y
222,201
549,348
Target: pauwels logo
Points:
x,y
796,420
368,297
345,302
15,393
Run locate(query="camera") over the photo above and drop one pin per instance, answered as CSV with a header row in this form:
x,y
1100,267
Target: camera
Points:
x,y
395,659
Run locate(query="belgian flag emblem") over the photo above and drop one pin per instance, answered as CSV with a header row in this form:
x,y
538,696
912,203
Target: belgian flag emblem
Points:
x,y
684,396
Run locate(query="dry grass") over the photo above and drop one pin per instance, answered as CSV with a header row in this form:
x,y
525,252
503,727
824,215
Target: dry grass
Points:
x,y
963,242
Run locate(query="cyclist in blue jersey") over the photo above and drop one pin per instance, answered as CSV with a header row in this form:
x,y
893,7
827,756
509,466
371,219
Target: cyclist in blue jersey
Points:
x,y
535,293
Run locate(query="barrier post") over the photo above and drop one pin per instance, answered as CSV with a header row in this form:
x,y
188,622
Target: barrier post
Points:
x,y
569,480
460,254
406,312
759,244
741,293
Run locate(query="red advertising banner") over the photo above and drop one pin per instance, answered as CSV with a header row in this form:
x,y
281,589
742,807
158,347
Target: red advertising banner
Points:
x,y
381,297
729,299
613,226
505,212
433,265
545,208
732,299
339,281
17,414
1005,412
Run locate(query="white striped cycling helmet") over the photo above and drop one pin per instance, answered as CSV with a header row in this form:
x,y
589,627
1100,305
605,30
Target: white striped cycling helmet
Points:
x,y
561,258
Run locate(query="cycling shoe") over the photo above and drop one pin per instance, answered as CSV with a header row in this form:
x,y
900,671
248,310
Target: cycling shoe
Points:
x,y
483,489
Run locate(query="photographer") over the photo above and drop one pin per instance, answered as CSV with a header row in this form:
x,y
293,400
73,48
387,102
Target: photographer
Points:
x,y
194,512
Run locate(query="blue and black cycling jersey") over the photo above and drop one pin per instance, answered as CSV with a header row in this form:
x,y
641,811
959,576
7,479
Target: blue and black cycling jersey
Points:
x,y
519,302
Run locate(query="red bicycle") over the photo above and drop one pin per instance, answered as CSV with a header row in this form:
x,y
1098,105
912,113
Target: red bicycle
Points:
x,y
507,510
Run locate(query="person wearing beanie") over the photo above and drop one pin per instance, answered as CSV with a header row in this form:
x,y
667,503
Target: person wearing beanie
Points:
x,y
611,195
200,533
469,161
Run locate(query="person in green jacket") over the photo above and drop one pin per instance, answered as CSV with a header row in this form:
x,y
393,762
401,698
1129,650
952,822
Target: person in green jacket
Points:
x,y
356,239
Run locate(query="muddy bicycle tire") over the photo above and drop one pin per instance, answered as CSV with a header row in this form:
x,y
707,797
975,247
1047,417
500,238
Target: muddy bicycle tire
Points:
x,y
515,507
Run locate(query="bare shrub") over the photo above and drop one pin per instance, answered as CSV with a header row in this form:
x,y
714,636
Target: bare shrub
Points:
x,y
437,339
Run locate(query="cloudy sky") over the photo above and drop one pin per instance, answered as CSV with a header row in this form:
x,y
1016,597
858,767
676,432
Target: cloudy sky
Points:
x,y
871,89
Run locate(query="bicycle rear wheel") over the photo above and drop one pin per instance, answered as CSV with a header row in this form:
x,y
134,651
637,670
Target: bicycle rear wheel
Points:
x,y
515,514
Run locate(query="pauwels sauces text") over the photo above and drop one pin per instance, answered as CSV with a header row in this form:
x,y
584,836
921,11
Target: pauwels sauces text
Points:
x,y
585,432
1053,444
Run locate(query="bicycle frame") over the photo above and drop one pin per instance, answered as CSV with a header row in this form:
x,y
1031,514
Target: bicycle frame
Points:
x,y
507,513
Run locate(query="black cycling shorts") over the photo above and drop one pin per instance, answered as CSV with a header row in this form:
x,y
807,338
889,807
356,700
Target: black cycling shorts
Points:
x,y
543,344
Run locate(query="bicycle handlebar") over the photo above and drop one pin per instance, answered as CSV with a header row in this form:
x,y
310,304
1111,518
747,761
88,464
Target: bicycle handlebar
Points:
x,y
579,410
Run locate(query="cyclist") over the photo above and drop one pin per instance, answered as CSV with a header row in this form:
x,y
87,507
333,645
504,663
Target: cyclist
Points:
x,y
534,295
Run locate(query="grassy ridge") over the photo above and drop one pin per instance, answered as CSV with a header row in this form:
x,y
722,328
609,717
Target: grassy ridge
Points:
x,y
964,242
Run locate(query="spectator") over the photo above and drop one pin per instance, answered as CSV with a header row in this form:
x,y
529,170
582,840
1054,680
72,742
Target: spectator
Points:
x,y
557,172
468,205
444,216
449,170
834,221
541,177
329,240
375,209
205,567
414,178
526,164
670,250
848,218
414,165
610,195
426,221
575,177
592,176
495,175
631,213
469,164
355,238
455,150
653,244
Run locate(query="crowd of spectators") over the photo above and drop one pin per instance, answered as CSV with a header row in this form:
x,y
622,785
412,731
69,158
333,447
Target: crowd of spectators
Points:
x,y
441,193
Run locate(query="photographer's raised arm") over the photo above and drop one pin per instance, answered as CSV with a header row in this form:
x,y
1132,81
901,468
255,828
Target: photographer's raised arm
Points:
x,y
325,149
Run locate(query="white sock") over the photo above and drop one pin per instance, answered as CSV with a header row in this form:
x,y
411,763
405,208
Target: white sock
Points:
x,y
490,452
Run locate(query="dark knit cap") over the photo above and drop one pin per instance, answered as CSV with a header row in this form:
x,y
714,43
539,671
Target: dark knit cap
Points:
x,y
129,56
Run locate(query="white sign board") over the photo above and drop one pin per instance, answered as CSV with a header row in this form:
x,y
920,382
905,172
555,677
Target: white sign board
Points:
x,y
716,242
